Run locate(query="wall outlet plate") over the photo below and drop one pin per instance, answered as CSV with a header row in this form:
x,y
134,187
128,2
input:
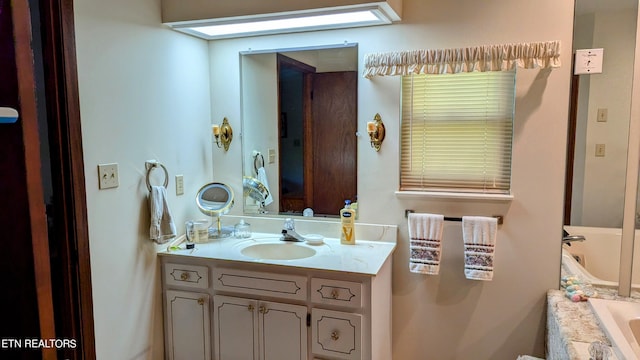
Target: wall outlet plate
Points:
x,y
108,176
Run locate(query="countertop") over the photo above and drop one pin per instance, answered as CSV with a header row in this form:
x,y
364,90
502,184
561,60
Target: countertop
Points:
x,y
363,258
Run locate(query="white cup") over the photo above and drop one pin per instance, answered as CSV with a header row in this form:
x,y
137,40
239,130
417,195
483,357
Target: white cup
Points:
x,y
201,228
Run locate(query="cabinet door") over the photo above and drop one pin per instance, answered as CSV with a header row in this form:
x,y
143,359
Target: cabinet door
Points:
x,y
235,328
188,330
283,331
336,334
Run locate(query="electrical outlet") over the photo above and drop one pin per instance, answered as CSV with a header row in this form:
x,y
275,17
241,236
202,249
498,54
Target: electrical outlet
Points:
x,y
108,176
600,150
272,155
179,185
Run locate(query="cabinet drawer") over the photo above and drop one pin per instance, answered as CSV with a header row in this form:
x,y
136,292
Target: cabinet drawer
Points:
x,y
260,283
186,275
336,292
336,334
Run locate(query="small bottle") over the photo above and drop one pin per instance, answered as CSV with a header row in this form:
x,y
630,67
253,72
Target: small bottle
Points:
x,y
242,230
347,223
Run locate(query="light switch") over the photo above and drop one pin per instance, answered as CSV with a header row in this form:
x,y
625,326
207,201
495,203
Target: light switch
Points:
x,y
600,150
602,115
588,61
108,176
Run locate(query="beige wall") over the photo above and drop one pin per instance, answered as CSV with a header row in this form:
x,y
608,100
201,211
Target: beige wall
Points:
x,y
144,94
146,88
447,316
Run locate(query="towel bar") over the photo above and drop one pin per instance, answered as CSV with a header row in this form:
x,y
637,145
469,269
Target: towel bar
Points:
x,y
451,218
150,165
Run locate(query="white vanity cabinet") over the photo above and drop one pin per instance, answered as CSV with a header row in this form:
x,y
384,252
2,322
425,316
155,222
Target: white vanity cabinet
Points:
x,y
227,310
253,330
187,313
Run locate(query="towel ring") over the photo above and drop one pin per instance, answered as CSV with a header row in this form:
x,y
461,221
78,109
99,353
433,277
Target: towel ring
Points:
x,y
150,168
255,162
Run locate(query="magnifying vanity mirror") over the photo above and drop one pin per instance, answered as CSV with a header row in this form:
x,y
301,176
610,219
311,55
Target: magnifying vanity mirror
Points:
x,y
215,200
299,123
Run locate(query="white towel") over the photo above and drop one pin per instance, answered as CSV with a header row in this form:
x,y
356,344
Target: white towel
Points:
x,y
479,234
262,177
425,236
162,227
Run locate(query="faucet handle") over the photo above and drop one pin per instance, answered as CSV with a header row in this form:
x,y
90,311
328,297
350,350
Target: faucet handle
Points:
x,y
288,224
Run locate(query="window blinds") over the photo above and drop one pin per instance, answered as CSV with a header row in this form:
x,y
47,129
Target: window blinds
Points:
x,y
457,132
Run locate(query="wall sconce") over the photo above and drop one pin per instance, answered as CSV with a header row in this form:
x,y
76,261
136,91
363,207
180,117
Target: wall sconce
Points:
x,y
223,134
376,131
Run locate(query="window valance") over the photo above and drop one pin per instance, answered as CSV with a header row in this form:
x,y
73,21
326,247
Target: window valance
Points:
x,y
448,61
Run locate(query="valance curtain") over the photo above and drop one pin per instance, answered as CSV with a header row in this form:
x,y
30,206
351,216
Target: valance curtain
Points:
x,y
450,61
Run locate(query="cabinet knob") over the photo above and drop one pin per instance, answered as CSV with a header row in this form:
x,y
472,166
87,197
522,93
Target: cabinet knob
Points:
x,y
335,336
263,309
184,276
201,301
334,293
250,307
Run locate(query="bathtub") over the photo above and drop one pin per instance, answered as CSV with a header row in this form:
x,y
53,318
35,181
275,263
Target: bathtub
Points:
x,y
620,320
571,266
601,252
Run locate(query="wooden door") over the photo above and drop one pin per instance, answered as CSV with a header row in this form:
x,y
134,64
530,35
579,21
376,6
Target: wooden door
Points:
x,y
188,326
283,331
235,328
334,123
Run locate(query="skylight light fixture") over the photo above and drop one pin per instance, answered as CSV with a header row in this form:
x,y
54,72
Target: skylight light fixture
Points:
x,y
285,22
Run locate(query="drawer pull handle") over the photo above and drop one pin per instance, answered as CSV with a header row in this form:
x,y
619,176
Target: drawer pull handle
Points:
x,y
184,276
201,301
335,336
334,293
250,307
263,309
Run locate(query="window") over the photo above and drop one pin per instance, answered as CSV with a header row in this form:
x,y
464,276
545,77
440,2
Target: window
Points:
x,y
457,131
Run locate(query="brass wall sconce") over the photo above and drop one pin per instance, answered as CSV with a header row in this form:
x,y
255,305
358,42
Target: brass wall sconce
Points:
x,y
223,134
376,132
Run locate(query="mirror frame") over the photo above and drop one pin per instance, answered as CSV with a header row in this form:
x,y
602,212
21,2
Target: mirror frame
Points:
x,y
209,210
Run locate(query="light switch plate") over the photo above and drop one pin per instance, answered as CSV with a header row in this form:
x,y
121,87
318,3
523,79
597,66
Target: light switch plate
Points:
x,y
108,176
588,61
600,150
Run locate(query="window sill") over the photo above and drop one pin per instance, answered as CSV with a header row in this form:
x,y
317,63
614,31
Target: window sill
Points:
x,y
452,195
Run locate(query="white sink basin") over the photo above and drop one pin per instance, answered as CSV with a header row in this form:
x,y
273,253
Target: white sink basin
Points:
x,y
278,251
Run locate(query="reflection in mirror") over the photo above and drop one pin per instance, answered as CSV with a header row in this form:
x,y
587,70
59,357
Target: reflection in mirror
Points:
x,y
299,123
215,199
599,119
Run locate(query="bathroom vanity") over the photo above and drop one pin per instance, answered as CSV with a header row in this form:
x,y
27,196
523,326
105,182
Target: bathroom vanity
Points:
x,y
236,299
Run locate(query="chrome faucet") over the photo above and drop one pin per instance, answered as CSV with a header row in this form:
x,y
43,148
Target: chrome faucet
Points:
x,y
568,239
289,231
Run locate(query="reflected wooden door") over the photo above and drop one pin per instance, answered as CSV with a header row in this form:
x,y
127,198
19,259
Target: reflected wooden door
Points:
x,y
334,152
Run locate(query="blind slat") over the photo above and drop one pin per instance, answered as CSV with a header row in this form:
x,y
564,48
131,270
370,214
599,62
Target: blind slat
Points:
x,y
457,131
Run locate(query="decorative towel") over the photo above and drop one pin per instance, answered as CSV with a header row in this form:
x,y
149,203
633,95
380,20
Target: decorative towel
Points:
x,y
479,234
262,177
425,236
162,227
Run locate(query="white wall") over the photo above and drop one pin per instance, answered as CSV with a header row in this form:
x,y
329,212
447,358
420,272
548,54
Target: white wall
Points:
x,y
447,316
144,94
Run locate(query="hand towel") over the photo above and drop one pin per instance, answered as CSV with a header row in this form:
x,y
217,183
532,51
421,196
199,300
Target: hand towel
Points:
x,y
479,234
425,236
162,227
262,177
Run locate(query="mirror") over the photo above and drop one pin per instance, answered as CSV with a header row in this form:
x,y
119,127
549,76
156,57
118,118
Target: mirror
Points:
x,y
299,123
598,135
215,199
